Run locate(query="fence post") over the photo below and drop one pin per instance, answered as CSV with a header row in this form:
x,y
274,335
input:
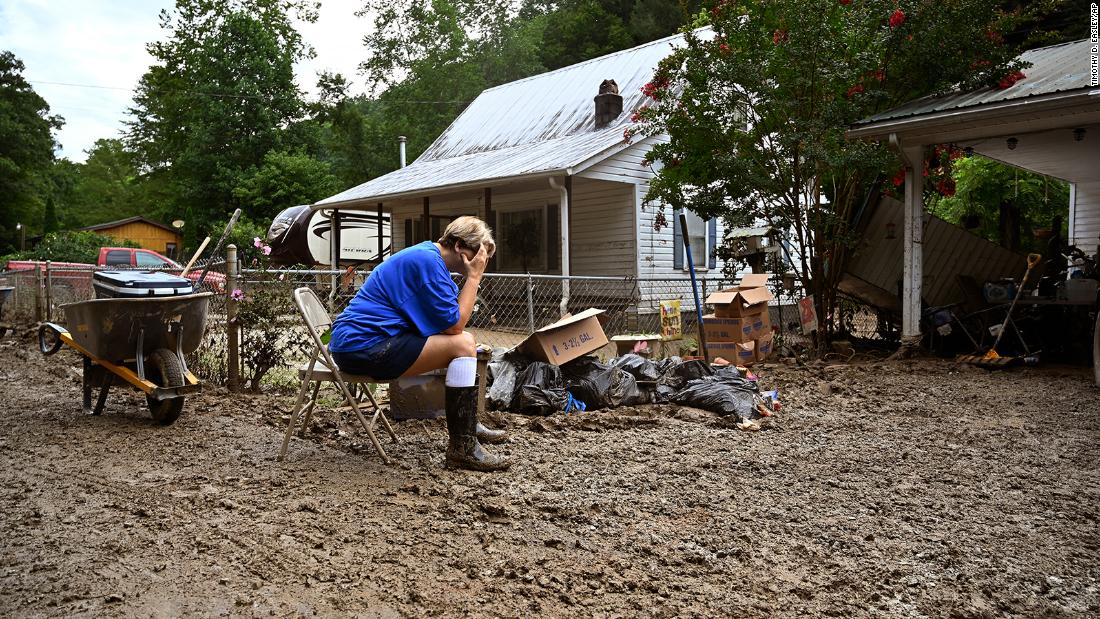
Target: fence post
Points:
x,y
233,375
49,292
530,304
39,302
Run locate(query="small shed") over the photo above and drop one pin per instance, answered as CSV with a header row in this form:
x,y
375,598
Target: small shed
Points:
x,y
1048,122
147,233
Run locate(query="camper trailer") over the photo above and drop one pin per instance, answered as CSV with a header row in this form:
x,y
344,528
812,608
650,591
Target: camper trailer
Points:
x,y
299,235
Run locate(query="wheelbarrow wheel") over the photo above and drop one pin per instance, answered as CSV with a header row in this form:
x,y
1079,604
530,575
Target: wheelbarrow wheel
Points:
x,y
165,370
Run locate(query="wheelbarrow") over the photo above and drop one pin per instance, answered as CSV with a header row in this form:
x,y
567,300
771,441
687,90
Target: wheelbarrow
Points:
x,y
136,341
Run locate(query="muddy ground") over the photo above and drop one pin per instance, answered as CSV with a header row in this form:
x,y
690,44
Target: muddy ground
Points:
x,y
890,489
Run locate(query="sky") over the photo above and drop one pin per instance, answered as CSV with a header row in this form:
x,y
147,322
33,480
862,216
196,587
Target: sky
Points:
x,y
99,45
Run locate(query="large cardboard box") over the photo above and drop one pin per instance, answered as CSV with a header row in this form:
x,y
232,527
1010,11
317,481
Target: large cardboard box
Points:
x,y
750,297
739,353
567,338
743,329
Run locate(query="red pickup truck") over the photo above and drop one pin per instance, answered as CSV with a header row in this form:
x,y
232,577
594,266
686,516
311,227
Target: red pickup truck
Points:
x,y
123,258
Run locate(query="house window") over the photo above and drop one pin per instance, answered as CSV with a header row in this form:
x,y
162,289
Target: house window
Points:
x,y
701,240
414,228
697,241
522,240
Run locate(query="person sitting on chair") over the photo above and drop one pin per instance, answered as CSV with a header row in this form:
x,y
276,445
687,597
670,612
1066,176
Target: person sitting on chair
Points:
x,y
409,318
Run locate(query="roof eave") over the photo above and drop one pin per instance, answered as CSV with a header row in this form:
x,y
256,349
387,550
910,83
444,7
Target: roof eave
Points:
x,y
923,123
371,202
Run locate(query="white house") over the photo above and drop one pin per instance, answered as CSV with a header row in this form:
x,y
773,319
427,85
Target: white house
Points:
x,y
560,187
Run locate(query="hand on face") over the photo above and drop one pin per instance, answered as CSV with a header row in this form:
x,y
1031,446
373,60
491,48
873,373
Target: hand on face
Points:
x,y
474,263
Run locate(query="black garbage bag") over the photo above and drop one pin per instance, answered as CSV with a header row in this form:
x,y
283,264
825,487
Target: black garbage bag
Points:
x,y
638,366
535,400
725,393
600,385
675,375
504,368
539,390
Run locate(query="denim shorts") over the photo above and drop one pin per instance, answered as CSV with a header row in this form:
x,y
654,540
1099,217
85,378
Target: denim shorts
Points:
x,y
385,360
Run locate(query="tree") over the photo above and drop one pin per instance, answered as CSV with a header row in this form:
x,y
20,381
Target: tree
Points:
x,y
756,112
285,180
218,99
26,147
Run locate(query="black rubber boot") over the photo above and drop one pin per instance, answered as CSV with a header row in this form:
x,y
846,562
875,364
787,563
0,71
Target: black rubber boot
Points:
x,y
463,449
490,436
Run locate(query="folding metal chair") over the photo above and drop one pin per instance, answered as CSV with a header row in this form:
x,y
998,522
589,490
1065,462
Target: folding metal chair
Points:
x,y
321,368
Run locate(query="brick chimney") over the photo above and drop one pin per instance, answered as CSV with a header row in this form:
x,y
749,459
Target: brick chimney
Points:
x,y
609,103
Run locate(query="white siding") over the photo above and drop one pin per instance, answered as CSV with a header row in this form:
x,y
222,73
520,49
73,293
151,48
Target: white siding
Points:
x,y
602,226
1085,216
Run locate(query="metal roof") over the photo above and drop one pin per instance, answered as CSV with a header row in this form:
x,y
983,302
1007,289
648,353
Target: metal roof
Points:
x,y
537,125
1054,69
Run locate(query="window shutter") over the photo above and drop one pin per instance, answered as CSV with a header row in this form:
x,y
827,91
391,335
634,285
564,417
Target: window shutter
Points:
x,y
712,234
408,233
553,239
677,241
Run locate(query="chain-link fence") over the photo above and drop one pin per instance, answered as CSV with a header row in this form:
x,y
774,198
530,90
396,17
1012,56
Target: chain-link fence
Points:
x,y
255,336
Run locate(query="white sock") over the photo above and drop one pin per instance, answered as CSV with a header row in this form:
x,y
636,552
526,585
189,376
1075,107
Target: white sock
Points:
x,y
462,372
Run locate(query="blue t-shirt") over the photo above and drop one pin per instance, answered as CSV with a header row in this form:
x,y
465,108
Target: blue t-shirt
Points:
x,y
412,292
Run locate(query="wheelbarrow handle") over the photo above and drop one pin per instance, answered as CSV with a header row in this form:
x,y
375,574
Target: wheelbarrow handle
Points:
x,y
43,347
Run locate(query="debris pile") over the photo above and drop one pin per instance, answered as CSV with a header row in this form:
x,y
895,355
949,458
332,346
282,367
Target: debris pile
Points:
x,y
521,385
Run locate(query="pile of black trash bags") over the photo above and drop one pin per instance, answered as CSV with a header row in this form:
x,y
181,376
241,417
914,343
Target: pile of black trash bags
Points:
x,y
520,385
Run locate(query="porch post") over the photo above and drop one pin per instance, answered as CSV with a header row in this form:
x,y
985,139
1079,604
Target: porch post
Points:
x,y
425,222
381,236
912,267
563,212
491,221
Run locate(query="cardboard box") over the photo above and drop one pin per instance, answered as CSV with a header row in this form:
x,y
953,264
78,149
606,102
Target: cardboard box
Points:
x,y
567,338
750,297
738,353
764,347
743,329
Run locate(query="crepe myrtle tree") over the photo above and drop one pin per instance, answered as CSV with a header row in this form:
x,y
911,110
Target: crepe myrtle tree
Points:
x,y
756,108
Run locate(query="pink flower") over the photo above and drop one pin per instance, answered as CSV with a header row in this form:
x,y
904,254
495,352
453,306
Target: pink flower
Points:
x,y
897,18
256,242
266,249
237,294
1010,80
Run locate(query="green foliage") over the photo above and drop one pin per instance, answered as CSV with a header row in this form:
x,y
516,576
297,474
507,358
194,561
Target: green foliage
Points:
x,y
49,218
285,180
757,113
26,148
982,185
218,99
70,246
581,30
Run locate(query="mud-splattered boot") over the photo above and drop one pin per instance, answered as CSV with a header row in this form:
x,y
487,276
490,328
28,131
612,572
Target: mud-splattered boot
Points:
x,y
463,449
490,436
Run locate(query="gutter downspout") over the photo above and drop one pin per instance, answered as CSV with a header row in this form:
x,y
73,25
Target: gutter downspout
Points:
x,y
563,210
913,225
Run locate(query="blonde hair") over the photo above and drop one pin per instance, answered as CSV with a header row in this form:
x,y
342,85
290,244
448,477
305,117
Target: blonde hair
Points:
x,y
471,232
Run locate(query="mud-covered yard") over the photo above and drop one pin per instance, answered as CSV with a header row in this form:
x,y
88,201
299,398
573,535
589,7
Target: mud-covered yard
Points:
x,y
882,489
